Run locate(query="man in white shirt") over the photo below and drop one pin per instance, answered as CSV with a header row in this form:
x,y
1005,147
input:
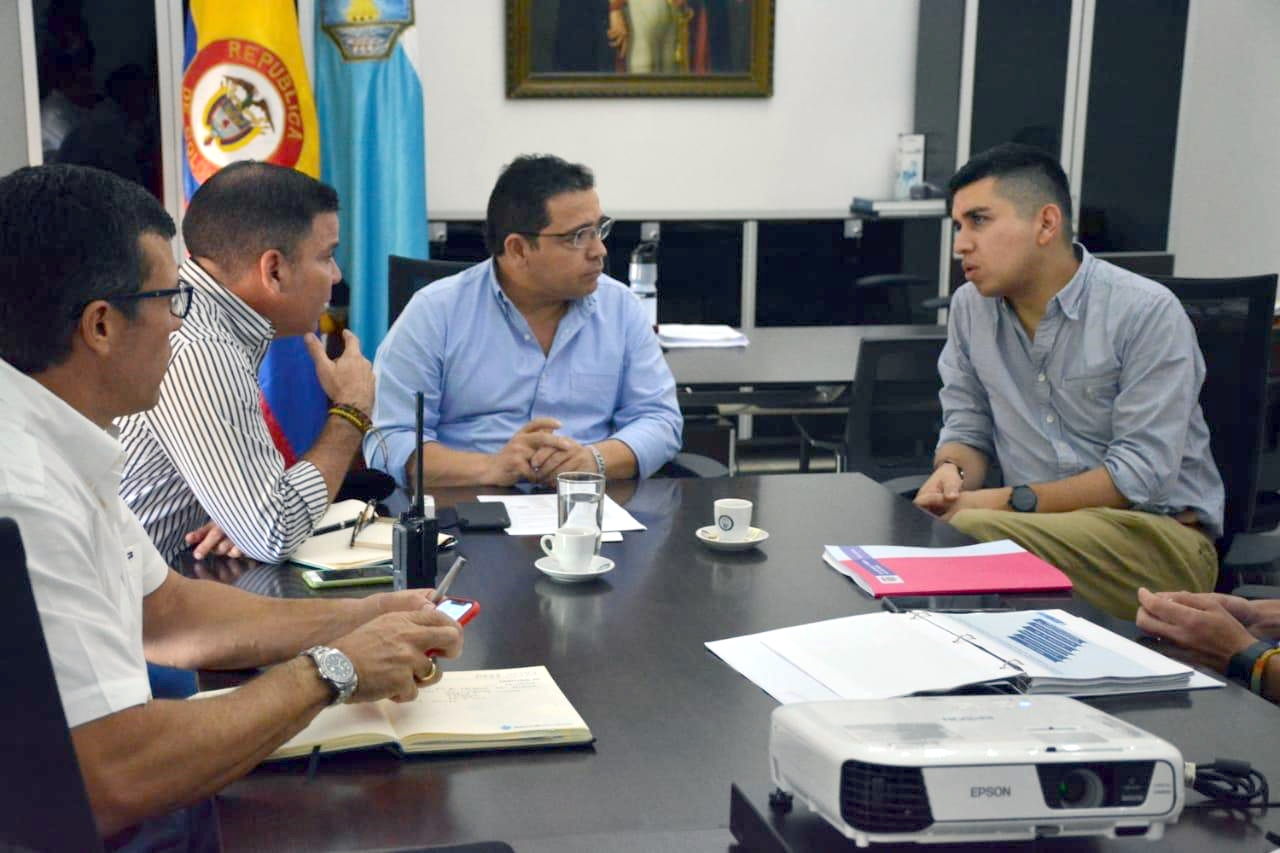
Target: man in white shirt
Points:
x,y
203,469
88,298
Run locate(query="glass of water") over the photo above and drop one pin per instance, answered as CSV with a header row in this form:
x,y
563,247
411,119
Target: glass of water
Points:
x,y
580,500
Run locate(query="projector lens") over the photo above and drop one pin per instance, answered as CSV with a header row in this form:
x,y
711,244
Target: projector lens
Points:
x,y
1080,788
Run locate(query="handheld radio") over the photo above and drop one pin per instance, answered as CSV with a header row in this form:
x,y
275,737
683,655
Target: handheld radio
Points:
x,y
413,538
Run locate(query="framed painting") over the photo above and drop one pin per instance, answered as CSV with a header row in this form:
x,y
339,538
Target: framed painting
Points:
x,y
639,48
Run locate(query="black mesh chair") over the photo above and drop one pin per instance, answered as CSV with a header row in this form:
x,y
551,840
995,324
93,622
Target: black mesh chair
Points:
x,y
885,300
406,276
45,805
894,411
1232,318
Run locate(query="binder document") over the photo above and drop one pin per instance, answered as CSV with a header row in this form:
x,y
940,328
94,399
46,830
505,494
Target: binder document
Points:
x,y
883,655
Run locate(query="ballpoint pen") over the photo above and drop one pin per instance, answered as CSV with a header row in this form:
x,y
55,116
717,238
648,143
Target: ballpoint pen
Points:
x,y
458,563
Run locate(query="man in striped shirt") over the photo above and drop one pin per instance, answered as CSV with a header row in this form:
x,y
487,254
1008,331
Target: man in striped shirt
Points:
x,y
202,468
89,300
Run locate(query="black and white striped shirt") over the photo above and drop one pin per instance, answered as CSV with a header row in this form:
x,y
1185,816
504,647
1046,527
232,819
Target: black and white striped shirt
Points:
x,y
204,451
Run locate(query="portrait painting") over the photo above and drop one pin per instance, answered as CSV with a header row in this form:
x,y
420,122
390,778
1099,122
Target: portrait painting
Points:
x,y
594,48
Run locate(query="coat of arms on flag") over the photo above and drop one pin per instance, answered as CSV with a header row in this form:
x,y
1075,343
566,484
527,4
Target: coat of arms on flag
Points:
x,y
365,29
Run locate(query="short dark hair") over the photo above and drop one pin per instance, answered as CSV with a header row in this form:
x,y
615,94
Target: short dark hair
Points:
x,y
69,235
1029,177
518,203
248,208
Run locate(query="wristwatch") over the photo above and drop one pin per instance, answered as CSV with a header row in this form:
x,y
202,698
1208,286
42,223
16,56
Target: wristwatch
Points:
x,y
1240,667
1023,499
337,669
599,457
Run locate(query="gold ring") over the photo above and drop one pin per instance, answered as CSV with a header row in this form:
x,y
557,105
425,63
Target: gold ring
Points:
x,y
432,676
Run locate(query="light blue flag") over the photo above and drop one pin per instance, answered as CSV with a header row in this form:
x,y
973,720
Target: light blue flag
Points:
x,y
371,119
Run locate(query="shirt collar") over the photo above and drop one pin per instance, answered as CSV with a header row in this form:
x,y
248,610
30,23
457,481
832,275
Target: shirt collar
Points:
x,y
92,452
1069,297
248,326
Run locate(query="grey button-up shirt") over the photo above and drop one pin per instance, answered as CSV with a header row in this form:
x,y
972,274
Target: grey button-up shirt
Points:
x,y
1111,380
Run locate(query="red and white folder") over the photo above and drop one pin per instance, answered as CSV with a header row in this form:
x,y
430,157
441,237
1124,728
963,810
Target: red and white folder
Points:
x,y
1002,566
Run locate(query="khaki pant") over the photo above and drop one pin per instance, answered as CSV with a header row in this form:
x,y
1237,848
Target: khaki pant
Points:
x,y
1107,553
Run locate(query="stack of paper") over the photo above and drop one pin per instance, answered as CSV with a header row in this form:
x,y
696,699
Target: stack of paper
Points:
x,y
690,336
1001,566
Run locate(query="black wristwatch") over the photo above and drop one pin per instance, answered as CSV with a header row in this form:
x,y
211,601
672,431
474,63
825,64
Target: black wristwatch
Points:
x,y
1023,499
1240,667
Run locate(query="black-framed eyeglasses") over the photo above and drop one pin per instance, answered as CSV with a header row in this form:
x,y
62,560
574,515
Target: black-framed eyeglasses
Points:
x,y
580,237
179,298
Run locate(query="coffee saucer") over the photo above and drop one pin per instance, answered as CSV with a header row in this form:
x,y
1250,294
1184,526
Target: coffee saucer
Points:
x,y
710,536
550,567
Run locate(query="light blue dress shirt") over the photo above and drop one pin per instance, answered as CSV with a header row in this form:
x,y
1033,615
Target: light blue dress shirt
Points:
x,y
1111,380
483,374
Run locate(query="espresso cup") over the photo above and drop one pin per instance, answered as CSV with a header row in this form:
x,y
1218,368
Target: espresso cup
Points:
x,y
733,519
572,547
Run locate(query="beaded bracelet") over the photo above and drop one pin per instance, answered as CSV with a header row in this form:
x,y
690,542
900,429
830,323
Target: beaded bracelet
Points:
x,y
353,416
1259,669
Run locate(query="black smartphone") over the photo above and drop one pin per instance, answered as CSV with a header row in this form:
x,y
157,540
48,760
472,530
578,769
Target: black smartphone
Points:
x,y
482,515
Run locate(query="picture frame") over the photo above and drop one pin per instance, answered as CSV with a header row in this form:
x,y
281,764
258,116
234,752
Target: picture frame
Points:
x,y
670,48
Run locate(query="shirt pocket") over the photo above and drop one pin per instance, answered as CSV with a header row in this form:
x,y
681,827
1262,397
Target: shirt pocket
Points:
x,y
1087,402
592,388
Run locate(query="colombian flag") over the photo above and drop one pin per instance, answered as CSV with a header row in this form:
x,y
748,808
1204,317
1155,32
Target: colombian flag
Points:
x,y
246,96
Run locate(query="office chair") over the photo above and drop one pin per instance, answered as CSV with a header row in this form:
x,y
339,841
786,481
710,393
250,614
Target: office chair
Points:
x,y
46,807
885,300
1232,318
406,276
894,411
693,465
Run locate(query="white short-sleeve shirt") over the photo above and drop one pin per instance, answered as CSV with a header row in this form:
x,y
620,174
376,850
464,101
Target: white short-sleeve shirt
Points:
x,y
90,560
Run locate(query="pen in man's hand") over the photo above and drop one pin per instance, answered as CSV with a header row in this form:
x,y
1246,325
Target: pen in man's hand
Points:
x,y
458,563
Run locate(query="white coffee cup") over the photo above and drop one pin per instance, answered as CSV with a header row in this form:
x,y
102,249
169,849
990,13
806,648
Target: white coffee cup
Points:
x,y
572,547
733,519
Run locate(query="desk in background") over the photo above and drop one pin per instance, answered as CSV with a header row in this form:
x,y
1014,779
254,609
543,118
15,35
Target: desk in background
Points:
x,y
674,726
793,370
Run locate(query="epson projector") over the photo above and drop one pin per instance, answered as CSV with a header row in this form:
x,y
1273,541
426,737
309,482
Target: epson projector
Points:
x,y
974,768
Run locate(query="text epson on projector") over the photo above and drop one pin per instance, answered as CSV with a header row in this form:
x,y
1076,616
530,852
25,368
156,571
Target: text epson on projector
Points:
x,y
974,768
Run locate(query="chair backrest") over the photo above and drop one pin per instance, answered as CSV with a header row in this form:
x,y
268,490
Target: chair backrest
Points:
x,y
1232,318
894,410
45,805
406,276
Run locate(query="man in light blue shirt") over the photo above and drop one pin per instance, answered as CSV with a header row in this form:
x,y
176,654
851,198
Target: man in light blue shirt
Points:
x,y
533,363
1083,381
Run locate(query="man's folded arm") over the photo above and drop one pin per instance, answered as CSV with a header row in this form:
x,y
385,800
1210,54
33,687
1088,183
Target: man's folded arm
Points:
x,y
647,420
219,443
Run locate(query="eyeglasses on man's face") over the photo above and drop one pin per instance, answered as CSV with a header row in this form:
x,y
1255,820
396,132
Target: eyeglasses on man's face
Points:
x,y
579,238
179,298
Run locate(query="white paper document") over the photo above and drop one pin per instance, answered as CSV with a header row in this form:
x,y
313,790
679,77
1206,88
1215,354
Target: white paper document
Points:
x,y
535,515
883,655
690,336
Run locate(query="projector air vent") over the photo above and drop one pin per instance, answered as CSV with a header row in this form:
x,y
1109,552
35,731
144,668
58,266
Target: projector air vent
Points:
x,y
880,798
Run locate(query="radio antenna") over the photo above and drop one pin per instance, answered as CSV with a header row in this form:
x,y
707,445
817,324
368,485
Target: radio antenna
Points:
x,y
417,491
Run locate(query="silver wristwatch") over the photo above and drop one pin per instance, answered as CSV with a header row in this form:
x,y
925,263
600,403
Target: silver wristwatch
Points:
x,y
337,669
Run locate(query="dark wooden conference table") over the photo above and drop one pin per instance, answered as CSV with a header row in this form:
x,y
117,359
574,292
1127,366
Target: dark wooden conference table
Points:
x,y
674,726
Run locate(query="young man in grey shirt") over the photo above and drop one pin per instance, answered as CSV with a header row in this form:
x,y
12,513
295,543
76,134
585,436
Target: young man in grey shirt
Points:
x,y
1082,380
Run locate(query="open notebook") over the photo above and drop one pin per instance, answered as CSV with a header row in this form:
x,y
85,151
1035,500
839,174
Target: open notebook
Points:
x,y
334,550
465,711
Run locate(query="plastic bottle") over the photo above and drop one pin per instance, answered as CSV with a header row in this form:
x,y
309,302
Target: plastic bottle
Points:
x,y
643,276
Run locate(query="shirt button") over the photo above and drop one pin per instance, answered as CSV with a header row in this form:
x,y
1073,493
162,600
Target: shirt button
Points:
x,y
1049,419
1040,378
